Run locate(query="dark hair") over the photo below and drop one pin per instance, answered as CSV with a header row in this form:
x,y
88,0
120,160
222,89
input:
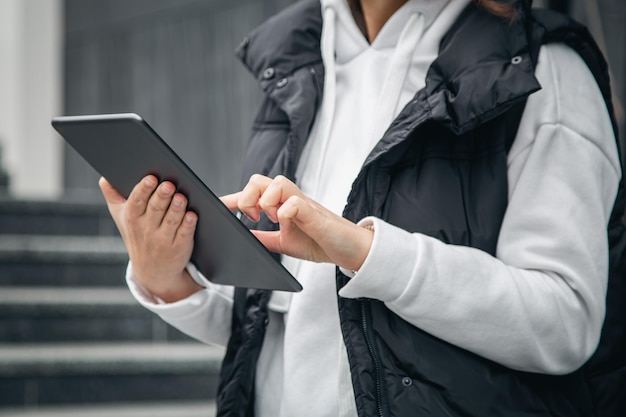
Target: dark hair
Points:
x,y
505,10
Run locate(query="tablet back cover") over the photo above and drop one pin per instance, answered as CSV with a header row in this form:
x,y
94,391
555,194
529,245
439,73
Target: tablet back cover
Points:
x,y
123,148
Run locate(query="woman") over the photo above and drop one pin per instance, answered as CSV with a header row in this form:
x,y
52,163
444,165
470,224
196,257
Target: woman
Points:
x,y
431,189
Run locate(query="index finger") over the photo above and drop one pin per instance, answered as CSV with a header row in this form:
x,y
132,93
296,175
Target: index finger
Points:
x,y
139,196
250,195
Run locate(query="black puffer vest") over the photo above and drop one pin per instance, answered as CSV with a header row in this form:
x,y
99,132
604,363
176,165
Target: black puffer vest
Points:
x,y
448,147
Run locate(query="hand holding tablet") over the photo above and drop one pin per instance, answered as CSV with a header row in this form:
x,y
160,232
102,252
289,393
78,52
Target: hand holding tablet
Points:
x,y
158,233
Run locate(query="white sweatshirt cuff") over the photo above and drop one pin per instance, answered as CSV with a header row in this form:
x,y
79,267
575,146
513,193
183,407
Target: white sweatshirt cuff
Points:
x,y
375,279
179,309
204,315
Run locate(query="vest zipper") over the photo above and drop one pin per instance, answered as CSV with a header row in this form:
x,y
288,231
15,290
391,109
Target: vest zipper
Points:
x,y
375,360
368,193
318,88
364,318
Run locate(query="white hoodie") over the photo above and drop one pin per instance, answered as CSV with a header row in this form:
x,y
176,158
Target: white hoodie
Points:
x,y
538,306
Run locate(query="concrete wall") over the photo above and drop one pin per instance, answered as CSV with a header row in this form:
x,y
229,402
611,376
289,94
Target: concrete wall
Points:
x,y
30,94
173,62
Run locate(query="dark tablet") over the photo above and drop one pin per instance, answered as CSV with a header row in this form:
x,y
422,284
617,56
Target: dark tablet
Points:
x,y
123,148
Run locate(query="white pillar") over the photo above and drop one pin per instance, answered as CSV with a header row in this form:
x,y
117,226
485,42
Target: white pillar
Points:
x,y
30,94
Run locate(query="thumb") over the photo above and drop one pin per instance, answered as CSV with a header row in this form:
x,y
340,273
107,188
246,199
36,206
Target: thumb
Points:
x,y
111,195
271,240
231,200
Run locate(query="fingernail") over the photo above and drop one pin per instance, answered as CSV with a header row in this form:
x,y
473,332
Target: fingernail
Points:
x,y
190,218
178,201
167,188
149,181
253,218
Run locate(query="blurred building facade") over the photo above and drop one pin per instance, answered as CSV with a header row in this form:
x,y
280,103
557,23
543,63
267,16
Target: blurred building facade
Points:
x,y
173,62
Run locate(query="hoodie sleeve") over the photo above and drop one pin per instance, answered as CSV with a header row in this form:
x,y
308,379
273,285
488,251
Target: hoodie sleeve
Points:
x,y
538,306
205,315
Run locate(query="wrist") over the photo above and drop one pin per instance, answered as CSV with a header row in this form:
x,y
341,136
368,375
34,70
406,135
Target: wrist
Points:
x,y
365,239
175,288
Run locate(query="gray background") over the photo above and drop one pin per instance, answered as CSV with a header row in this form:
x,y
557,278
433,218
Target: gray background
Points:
x,y
172,61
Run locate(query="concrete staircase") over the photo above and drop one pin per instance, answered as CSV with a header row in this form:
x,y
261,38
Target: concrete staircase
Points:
x,y
73,342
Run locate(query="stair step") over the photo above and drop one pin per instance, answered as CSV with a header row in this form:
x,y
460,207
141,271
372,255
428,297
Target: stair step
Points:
x,y
51,314
73,359
51,300
75,217
63,245
62,260
69,373
171,409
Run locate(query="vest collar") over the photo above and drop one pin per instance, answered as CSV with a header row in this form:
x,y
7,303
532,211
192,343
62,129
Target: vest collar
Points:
x,y
284,43
483,68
